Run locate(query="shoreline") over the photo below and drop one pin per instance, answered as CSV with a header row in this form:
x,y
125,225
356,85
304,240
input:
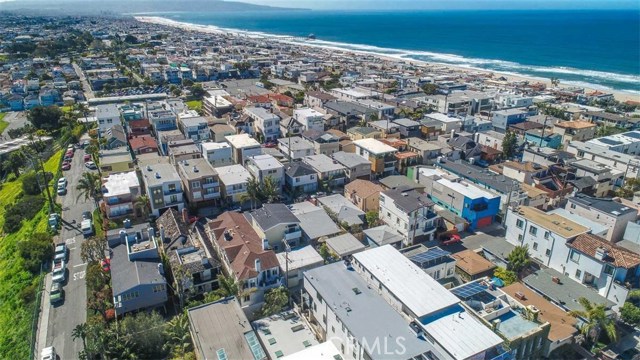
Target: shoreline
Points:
x,y
620,95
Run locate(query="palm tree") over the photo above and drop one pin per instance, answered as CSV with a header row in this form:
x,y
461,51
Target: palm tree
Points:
x,y
144,205
80,332
227,286
178,337
596,321
269,190
89,186
253,192
519,259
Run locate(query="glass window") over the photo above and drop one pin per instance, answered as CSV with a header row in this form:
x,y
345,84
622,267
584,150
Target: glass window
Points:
x,y
578,274
574,256
519,223
608,269
546,235
535,246
533,230
548,252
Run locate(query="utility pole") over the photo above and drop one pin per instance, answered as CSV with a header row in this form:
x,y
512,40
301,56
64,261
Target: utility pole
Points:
x,y
287,249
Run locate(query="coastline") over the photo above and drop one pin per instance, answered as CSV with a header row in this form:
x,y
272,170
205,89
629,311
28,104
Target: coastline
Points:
x,y
511,77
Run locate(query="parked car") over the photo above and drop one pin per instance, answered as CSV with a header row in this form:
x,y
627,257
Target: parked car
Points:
x,y
86,157
61,252
106,265
62,182
69,153
56,294
66,166
87,227
87,215
59,271
455,238
48,353
62,190
91,165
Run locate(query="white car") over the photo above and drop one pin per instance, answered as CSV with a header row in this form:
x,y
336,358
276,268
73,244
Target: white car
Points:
x,y
62,182
59,271
48,353
91,165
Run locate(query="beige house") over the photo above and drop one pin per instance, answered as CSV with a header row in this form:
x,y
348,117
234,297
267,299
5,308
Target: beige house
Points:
x,y
275,224
576,130
364,194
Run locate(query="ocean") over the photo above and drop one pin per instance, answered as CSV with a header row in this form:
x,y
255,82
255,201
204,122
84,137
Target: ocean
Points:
x,y
594,48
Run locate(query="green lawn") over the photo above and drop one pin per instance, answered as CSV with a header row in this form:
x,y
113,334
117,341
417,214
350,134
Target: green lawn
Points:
x,y
194,105
65,109
16,308
3,124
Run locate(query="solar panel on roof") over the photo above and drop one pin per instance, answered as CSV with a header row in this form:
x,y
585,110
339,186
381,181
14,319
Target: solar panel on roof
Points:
x,y
222,354
429,255
467,291
609,141
633,134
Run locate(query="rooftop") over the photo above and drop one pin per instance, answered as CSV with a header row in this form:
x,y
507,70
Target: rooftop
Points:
x,y
606,205
285,333
233,174
405,280
270,215
300,258
295,143
345,244
575,124
383,235
336,284
472,263
589,244
566,293
325,351
196,168
322,163
555,223
221,330
408,200
265,162
127,274
242,141
158,174
375,146
562,324
350,160
120,184
314,221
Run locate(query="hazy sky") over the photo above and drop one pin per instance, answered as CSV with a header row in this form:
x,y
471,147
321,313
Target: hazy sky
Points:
x,y
453,4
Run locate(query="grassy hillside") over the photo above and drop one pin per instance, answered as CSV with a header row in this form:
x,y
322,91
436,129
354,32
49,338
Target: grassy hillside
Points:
x,y
18,286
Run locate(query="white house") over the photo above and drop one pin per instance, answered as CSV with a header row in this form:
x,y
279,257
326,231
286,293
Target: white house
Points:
x,y
265,122
263,166
309,118
217,154
233,182
163,186
410,213
242,146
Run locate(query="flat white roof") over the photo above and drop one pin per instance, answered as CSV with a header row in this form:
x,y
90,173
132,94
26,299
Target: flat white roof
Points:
x,y
306,113
121,183
300,258
214,145
241,141
266,162
442,118
233,174
418,291
459,333
468,190
374,146
324,351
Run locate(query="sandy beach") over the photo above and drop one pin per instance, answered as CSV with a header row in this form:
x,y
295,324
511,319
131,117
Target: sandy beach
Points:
x,y
619,95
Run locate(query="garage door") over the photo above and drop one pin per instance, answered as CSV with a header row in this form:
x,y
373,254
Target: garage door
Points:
x,y
482,222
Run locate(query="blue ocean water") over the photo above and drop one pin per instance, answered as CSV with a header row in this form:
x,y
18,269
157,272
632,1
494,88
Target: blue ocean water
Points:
x,y
582,47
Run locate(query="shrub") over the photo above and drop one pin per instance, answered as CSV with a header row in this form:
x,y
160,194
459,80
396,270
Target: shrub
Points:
x,y
12,223
28,294
35,250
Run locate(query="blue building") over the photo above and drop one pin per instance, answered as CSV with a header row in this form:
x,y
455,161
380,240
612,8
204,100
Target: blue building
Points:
x,y
502,119
477,206
550,140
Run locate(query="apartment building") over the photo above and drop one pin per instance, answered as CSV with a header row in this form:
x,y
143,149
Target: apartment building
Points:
x,y
200,182
265,123
119,194
233,182
217,153
310,119
382,156
410,213
576,130
242,146
163,186
263,166
276,224
610,212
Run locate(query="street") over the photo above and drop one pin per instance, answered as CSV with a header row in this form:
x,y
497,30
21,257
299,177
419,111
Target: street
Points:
x,y
16,119
88,93
57,323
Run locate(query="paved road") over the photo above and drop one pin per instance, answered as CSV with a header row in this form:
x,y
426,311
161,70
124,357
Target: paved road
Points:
x,y
16,119
88,93
62,319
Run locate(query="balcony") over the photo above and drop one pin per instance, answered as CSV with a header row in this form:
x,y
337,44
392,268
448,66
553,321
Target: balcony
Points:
x,y
290,235
210,185
430,215
177,190
270,283
211,196
429,229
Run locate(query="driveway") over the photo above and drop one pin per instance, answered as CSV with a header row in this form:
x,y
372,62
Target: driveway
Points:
x,y
62,319
86,88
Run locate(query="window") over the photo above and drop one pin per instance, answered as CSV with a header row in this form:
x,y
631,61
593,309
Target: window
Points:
x,y
172,187
578,274
519,224
546,235
533,230
520,237
535,246
320,298
573,206
247,298
333,329
196,184
548,252
574,256
608,269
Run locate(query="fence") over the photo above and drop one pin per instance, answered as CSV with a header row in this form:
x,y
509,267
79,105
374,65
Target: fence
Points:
x,y
36,313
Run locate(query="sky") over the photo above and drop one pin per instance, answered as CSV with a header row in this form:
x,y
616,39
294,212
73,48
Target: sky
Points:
x,y
452,4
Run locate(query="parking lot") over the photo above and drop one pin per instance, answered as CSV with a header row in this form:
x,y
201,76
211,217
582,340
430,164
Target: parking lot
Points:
x,y
57,322
142,90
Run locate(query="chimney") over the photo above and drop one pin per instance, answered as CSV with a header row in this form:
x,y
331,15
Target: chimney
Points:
x,y
195,169
257,265
157,175
601,253
185,216
556,280
453,133
162,233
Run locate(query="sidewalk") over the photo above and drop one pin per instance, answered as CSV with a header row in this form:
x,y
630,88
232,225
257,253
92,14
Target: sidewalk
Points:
x,y
43,320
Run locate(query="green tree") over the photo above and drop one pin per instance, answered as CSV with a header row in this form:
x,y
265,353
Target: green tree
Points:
x,y
45,117
630,187
93,249
507,276
197,91
227,286
242,66
13,163
130,39
253,192
35,250
146,332
89,186
274,301
519,259
143,203
372,218
509,144
178,337
269,190
630,313
596,321
80,332
430,89
324,251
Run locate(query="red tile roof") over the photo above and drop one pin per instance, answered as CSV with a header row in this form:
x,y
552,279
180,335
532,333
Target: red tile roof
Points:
x,y
618,256
142,123
144,141
242,245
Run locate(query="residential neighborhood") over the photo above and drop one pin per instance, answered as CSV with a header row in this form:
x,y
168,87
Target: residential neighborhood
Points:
x,y
229,197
